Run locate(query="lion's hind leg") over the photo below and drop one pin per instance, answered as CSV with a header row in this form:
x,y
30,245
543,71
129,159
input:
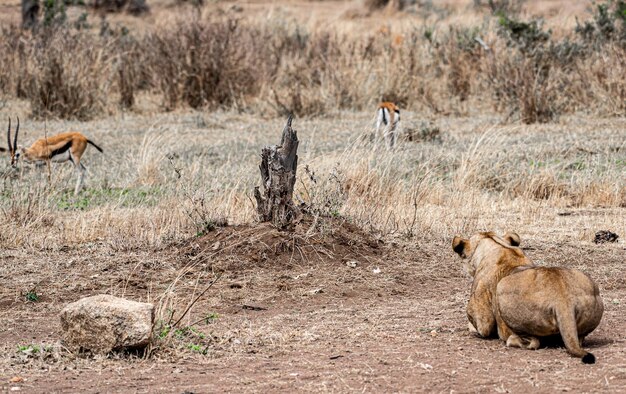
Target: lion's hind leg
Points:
x,y
533,343
515,340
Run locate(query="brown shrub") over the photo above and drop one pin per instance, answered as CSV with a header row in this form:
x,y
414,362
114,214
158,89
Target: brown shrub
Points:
x,y
462,56
527,86
603,87
9,65
206,63
65,86
131,70
281,68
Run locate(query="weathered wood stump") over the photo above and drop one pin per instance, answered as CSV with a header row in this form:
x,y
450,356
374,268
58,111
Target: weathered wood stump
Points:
x,y
278,176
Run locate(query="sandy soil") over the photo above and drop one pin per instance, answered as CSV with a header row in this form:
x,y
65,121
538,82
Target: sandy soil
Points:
x,y
292,315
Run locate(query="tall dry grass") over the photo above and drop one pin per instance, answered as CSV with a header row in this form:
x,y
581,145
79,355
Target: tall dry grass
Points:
x,y
273,66
164,180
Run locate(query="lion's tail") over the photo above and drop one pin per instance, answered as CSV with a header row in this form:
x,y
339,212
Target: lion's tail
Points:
x,y
569,332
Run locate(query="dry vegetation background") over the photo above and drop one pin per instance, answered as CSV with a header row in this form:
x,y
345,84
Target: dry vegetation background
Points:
x,y
528,134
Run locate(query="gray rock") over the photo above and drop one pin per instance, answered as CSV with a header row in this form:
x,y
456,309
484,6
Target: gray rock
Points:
x,y
103,323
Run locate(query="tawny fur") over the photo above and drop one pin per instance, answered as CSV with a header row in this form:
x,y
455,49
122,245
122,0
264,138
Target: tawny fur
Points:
x,y
59,148
42,149
521,302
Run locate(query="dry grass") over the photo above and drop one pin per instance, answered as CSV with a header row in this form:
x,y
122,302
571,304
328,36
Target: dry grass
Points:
x,y
161,179
275,65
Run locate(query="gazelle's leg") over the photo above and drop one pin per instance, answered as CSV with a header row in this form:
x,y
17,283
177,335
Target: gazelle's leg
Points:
x,y
380,119
76,152
81,178
394,136
389,137
398,129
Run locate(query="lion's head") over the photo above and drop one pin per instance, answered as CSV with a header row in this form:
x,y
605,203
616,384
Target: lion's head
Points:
x,y
485,248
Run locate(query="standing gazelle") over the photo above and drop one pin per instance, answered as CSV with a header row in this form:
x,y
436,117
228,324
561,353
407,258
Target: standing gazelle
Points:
x,y
388,114
58,148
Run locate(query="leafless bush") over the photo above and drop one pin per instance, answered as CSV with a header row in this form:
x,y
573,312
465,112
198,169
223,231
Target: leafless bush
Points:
x,y
12,77
600,84
132,72
202,63
527,86
462,55
65,86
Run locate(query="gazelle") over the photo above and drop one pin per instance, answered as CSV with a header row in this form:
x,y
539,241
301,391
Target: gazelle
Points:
x,y
58,148
388,114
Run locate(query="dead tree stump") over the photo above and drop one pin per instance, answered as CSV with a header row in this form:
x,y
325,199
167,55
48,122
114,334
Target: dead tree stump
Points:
x,y
278,176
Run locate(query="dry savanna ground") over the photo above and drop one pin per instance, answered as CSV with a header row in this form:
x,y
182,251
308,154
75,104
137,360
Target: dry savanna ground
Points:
x,y
365,294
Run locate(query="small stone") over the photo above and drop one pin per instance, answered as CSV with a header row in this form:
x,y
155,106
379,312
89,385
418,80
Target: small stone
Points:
x,y
103,323
376,270
352,264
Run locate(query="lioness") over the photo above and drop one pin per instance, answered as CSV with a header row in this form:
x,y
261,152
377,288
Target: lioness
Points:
x,y
521,301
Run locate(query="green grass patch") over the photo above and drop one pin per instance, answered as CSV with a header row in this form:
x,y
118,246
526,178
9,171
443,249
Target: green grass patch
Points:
x,y
32,296
93,197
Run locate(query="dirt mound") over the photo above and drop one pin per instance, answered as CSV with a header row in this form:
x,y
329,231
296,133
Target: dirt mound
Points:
x,y
314,239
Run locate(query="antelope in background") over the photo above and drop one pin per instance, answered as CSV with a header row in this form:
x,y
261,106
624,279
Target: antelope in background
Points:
x,y
58,148
388,114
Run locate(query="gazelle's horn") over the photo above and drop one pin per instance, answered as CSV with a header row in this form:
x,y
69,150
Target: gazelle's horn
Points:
x,y
17,130
9,136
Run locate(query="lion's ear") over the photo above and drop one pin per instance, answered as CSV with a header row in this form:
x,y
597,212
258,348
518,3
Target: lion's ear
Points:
x,y
512,238
460,246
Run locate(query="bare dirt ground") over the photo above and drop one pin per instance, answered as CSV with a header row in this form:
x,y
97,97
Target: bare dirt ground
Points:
x,y
290,314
